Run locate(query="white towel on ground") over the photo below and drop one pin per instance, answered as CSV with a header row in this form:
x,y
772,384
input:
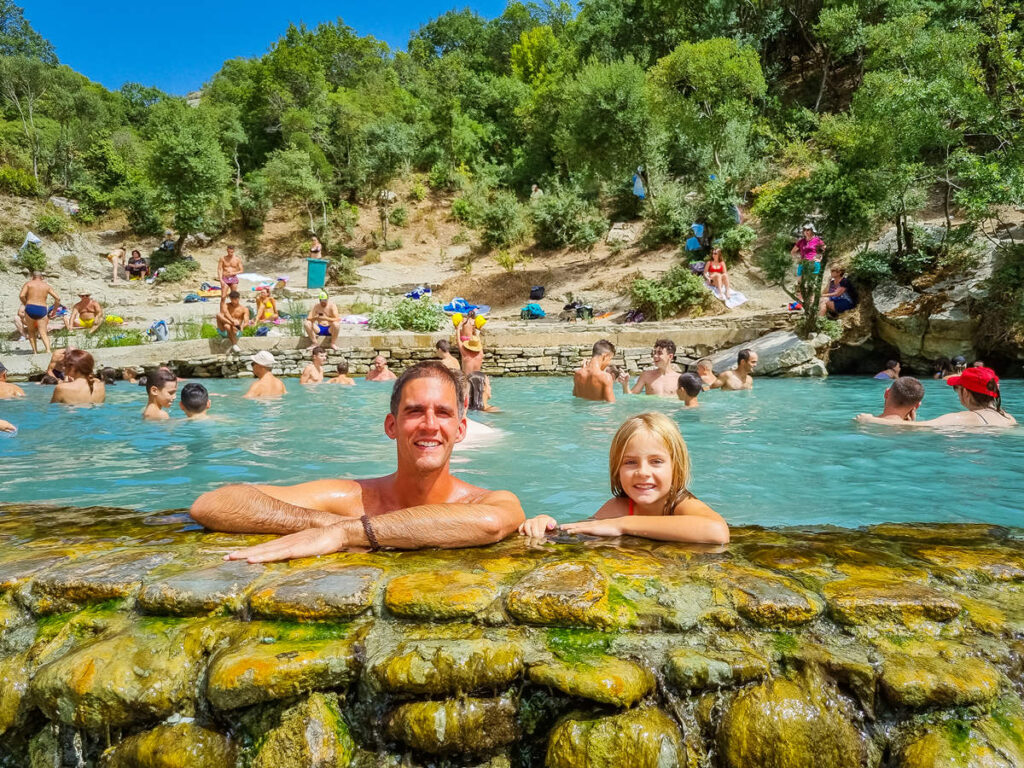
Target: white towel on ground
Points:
x,y
735,297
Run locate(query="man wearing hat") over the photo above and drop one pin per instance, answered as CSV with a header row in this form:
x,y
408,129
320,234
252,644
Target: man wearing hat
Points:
x,y
266,384
7,391
323,319
86,313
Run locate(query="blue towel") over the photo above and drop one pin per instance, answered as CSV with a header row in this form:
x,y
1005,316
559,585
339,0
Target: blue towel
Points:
x,y
692,244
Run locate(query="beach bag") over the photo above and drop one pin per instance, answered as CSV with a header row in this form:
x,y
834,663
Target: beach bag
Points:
x,y
531,312
191,298
537,293
158,331
697,267
263,330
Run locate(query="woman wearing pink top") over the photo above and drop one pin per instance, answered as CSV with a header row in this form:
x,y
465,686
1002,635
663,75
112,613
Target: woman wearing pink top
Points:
x,y
808,248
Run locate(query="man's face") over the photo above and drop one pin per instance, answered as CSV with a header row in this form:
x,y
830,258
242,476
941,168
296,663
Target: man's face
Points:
x,y
752,362
661,356
896,368
379,363
323,303
231,252
427,426
164,396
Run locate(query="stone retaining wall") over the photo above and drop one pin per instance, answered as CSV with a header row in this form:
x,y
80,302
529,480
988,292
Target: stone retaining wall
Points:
x,y
128,642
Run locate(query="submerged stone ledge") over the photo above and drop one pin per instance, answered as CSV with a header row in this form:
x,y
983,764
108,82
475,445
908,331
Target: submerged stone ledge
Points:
x,y
127,642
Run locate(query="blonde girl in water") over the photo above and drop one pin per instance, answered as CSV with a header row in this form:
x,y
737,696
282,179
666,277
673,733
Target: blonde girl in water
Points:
x,y
650,469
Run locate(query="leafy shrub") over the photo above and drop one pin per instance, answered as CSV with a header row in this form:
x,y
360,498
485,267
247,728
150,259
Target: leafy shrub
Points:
x,y
504,222
669,216
15,181
33,258
253,202
53,222
120,337
562,217
830,327
372,257
71,263
177,271
507,260
92,201
870,267
460,237
392,245
341,270
399,215
678,290
344,220
209,331
418,192
141,208
421,315
468,211
912,264
737,239
10,235
360,308
441,176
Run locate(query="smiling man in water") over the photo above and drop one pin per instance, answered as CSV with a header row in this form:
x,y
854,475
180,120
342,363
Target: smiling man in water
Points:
x,y
420,505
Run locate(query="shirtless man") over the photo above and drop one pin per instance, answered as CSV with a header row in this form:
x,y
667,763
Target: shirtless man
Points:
x,y
444,354
689,388
33,297
902,399
706,372
314,372
87,314
592,381
379,370
161,386
342,378
231,319
116,257
228,269
8,391
323,320
418,506
266,384
663,378
741,376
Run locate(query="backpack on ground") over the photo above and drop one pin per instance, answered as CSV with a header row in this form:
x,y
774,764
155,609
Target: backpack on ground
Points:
x,y
537,292
531,312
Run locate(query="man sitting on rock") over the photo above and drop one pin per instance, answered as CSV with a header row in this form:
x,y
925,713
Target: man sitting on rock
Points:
x,y
740,377
418,506
902,399
87,313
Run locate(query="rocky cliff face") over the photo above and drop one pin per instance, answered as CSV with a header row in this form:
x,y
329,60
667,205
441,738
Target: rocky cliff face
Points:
x,y
129,643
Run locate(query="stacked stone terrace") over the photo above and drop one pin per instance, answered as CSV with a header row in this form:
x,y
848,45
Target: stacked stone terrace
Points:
x,y
129,642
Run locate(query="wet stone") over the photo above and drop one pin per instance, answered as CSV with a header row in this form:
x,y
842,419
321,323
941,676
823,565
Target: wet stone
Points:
x,y
783,723
145,673
770,600
14,678
80,582
311,734
440,595
927,680
940,532
993,741
447,666
849,665
455,726
315,593
181,745
975,563
603,679
280,661
692,670
197,592
16,572
648,736
563,595
867,601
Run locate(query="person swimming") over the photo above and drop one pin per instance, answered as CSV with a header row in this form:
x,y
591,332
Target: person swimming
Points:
x,y
649,467
161,388
195,401
978,391
80,387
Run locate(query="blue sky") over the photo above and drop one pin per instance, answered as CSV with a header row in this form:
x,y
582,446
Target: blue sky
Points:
x,y
178,45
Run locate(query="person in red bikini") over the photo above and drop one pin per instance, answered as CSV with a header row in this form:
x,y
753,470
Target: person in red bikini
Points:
x,y
716,273
650,469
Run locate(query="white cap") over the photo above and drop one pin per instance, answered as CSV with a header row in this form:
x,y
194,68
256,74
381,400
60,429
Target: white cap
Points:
x,y
264,358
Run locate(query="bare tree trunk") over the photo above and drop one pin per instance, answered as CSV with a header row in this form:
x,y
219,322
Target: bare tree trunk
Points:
x,y
824,81
179,245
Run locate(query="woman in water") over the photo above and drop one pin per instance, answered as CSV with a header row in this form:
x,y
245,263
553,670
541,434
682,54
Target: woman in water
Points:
x,y
80,386
480,393
650,469
716,273
978,390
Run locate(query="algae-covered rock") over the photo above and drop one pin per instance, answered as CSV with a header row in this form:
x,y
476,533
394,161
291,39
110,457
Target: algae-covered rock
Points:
x,y
975,563
638,738
563,595
604,679
181,745
200,591
993,741
783,723
311,735
865,601
317,594
79,582
15,572
455,726
144,673
14,677
765,598
847,664
280,661
692,670
440,595
447,666
928,680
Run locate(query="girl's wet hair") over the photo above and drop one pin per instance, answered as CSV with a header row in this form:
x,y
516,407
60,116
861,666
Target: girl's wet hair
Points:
x,y
81,363
662,427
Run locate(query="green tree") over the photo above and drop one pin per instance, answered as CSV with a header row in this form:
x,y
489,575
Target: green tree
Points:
x,y
291,177
23,82
386,151
17,38
186,165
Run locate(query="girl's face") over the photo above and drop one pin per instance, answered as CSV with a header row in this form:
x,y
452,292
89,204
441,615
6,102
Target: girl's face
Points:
x,y
645,472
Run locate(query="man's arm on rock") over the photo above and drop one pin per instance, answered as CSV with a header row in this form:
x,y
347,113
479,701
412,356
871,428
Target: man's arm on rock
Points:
x,y
273,509
447,526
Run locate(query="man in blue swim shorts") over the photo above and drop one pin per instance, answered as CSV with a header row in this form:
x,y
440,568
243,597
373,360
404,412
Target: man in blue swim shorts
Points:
x,y
33,297
323,320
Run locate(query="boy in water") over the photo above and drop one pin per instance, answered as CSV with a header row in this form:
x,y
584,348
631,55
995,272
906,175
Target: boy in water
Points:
x,y
690,386
195,402
161,386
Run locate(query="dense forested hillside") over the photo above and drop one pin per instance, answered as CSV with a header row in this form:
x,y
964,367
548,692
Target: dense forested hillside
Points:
x,y
852,112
